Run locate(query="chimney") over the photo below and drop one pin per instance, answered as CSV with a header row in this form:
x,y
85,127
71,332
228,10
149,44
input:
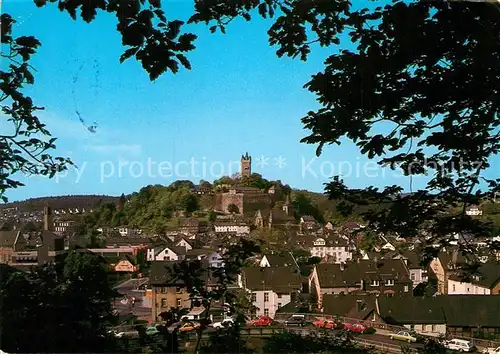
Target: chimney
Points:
x,y
360,305
47,219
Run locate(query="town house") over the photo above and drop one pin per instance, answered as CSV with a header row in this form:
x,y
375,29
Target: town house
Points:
x,y
443,265
335,248
166,253
389,277
485,282
418,273
167,290
270,287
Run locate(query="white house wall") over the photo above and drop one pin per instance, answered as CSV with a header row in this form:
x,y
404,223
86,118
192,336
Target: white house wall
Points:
x,y
458,288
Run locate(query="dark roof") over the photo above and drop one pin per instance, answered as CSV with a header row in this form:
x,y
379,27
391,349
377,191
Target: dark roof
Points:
x,y
383,269
198,252
332,276
488,275
278,279
185,222
453,258
7,238
178,250
412,258
454,310
347,305
276,260
471,310
162,273
351,273
411,310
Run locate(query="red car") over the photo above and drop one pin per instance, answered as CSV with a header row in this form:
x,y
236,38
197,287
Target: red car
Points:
x,y
356,327
328,324
262,321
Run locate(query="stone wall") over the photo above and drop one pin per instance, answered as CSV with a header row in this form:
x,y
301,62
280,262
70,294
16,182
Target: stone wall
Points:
x,y
236,199
246,203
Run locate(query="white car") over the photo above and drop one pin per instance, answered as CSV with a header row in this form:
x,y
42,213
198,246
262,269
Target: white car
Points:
x,y
460,345
228,322
492,350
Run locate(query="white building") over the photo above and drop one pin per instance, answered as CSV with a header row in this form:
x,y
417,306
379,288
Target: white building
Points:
x,y
270,288
166,254
183,243
455,287
126,231
228,227
473,211
337,249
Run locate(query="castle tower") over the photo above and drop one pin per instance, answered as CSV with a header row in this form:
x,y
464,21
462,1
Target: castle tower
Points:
x,y
47,219
246,165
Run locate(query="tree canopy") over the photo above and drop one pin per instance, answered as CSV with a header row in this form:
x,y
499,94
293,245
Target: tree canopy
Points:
x,y
415,85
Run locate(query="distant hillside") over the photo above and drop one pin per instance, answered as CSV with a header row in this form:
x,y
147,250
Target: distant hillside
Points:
x,y
62,202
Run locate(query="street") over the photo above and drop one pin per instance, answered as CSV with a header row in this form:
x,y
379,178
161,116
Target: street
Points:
x,y
131,289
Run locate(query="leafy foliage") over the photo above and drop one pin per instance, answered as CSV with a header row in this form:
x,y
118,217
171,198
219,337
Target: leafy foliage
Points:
x,y
289,342
206,285
47,302
25,147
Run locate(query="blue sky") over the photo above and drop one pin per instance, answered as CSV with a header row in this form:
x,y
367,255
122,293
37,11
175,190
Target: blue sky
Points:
x,y
238,97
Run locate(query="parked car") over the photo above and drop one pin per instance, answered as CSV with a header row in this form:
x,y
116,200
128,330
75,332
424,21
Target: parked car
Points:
x,y
355,328
225,323
263,321
189,326
322,323
460,345
492,350
152,330
296,320
404,336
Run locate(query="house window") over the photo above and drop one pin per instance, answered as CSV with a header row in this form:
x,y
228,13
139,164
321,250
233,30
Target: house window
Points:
x,y
163,302
254,297
178,289
389,282
454,288
406,289
266,312
374,283
433,328
179,302
266,297
279,304
412,275
468,289
163,290
279,296
166,258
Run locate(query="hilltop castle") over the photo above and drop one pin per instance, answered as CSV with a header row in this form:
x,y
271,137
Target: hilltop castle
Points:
x,y
246,165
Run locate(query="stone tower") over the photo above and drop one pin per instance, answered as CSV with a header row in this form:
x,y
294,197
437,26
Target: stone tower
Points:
x,y
246,165
48,223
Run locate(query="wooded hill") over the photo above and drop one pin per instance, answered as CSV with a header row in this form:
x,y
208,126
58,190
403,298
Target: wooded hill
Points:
x,y
61,202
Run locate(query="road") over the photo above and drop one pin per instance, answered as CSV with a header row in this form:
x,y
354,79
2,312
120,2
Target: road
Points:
x,y
380,341
130,289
